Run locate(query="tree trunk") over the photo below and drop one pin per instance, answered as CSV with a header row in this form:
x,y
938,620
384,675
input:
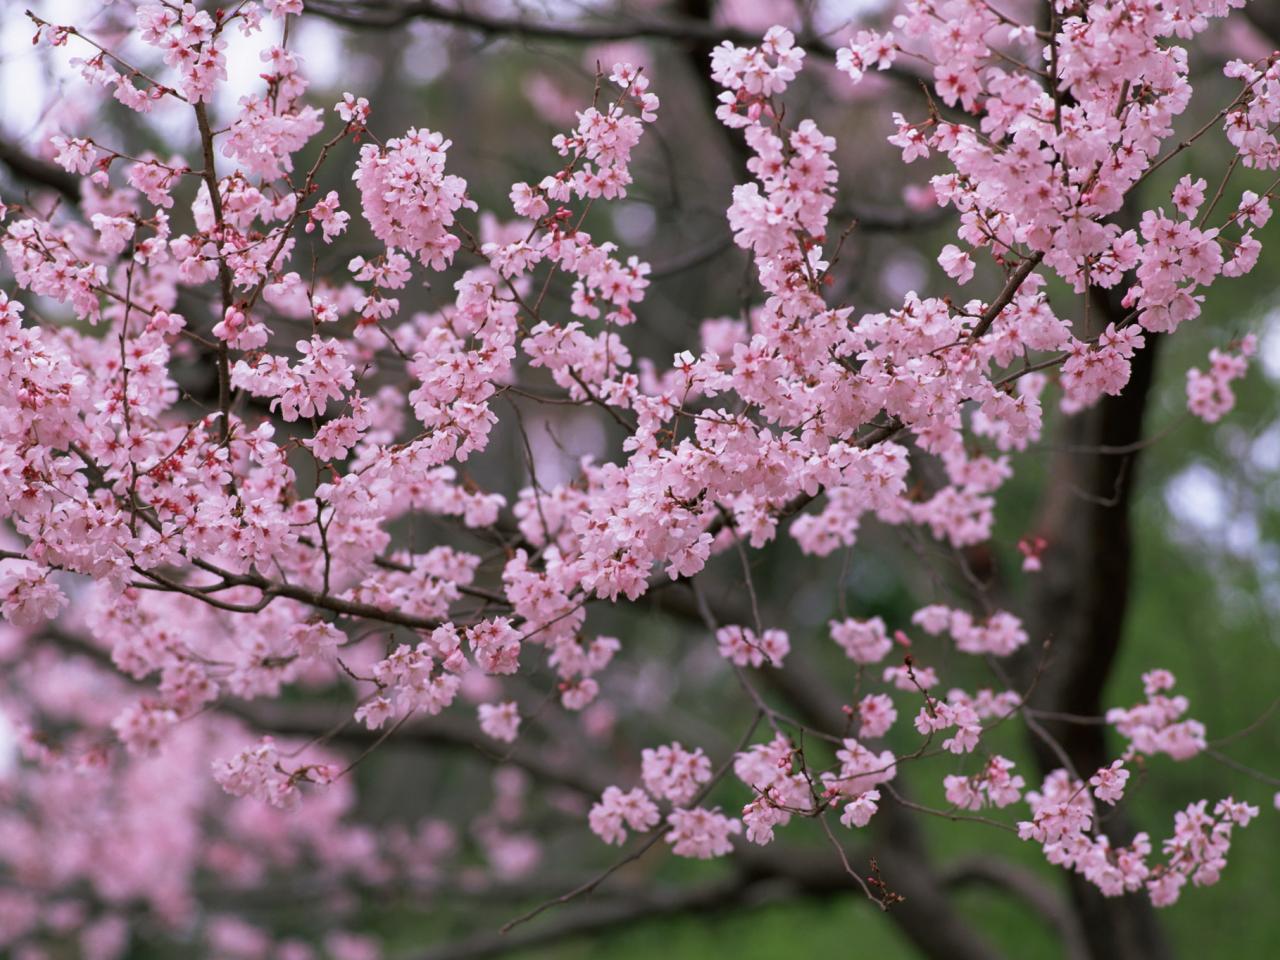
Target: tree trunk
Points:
x,y
1078,606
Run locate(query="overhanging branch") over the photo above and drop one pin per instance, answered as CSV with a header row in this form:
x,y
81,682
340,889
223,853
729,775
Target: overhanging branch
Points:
x,y
682,30
39,172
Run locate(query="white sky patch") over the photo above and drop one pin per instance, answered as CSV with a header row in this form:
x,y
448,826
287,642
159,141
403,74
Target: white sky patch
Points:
x,y
428,54
324,62
25,89
1264,451
833,14
634,222
1242,535
1269,345
1197,497
904,272
559,441
37,83
8,746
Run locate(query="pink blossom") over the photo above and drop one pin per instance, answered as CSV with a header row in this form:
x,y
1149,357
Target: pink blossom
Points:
x,y
616,811
27,595
409,200
672,773
876,714
741,646
1188,195
353,109
859,811
1108,783
867,49
701,833
234,472
500,720
1157,726
863,641
956,263
257,772
1209,395
75,155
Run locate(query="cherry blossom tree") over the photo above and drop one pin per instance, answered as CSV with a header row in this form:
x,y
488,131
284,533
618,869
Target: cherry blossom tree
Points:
x,y
261,536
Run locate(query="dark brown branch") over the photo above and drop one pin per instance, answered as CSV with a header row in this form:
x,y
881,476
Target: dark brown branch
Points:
x,y
1011,287
316,721
39,172
761,880
687,30
387,16
224,270
874,218
1079,603
1266,17
1027,886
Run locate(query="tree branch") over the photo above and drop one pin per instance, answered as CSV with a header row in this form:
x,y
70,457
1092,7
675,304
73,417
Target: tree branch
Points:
x,y
1011,287
1266,17
760,882
39,172
1030,888
316,721
679,29
1079,603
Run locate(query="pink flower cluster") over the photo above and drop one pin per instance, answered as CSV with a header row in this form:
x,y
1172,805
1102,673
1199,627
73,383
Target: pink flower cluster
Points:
x,y
1209,395
1063,817
994,785
742,647
408,199
1157,726
999,634
854,782
408,680
192,45
778,789
863,641
673,774
257,772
